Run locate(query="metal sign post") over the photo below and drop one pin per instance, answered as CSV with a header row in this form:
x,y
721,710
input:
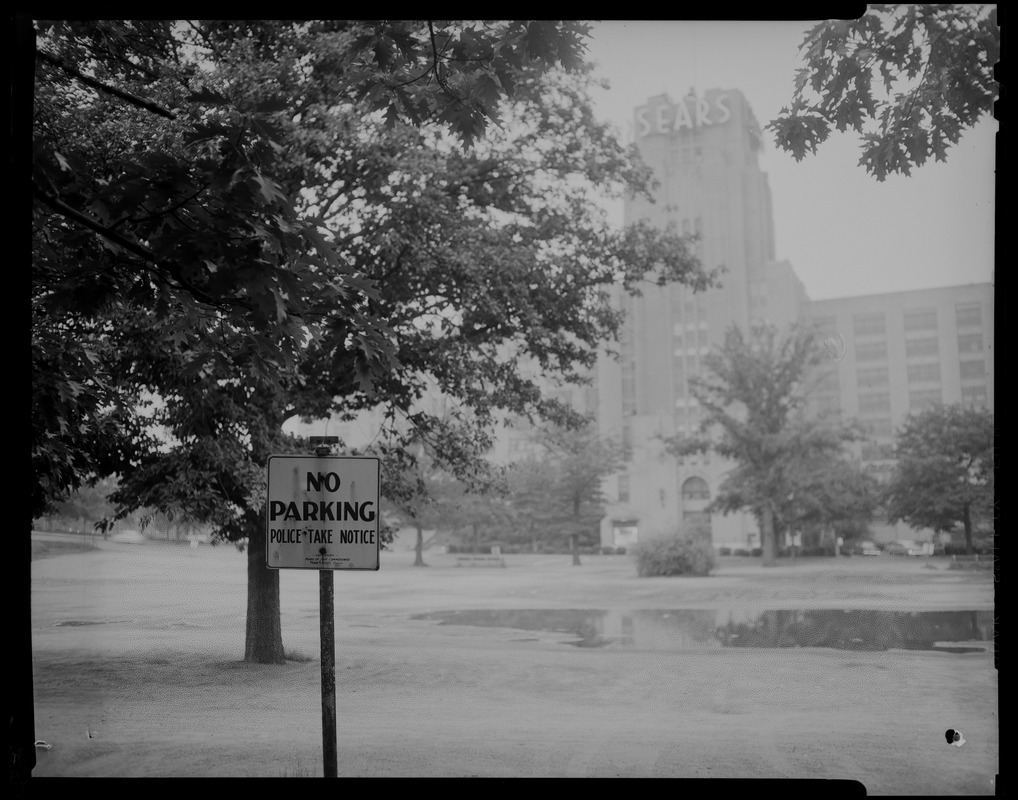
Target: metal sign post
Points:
x,y
323,514
326,626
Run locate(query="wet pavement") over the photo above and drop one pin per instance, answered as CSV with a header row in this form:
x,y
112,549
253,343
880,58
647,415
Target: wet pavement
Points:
x,y
683,629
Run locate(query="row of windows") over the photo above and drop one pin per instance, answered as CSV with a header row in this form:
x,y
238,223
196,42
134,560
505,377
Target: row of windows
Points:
x,y
693,338
872,377
874,403
974,396
924,373
967,315
915,348
880,402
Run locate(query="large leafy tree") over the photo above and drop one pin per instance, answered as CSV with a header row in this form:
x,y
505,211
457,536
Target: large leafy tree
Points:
x,y
303,232
753,396
171,165
909,79
944,472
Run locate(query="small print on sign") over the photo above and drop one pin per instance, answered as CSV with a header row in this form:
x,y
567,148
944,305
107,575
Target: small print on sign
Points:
x,y
322,512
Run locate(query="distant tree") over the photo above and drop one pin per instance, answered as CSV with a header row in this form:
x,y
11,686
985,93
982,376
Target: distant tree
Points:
x,y
832,494
908,78
753,394
89,503
528,482
557,492
944,472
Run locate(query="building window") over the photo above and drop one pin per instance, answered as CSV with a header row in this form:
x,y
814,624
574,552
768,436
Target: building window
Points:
x,y
623,488
924,373
824,326
970,343
880,426
973,369
695,489
874,403
922,347
871,351
869,324
968,314
924,398
696,523
921,319
871,378
974,396
877,452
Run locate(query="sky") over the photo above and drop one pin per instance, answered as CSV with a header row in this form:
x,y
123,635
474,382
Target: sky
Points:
x,y
844,233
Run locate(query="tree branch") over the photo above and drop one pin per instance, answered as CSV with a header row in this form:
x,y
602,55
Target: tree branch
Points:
x,y
60,207
102,87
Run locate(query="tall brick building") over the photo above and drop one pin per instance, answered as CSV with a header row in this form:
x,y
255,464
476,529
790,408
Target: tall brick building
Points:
x,y
903,350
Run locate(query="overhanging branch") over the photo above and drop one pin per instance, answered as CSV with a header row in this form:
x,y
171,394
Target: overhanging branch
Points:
x,y
148,105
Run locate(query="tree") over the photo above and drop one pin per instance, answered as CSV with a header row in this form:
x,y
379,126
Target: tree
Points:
x,y
447,503
944,471
284,243
753,395
832,494
170,159
558,494
909,79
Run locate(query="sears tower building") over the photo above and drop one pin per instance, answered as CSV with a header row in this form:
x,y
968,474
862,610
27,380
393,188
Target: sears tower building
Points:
x,y
704,152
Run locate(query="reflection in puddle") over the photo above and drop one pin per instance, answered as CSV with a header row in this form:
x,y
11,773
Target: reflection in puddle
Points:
x,y
692,628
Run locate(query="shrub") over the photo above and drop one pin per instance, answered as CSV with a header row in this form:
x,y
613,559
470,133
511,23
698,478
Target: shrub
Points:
x,y
756,551
620,551
740,551
724,551
673,555
607,551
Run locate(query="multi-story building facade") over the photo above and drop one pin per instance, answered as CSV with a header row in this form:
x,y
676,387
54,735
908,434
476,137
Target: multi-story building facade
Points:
x,y
902,350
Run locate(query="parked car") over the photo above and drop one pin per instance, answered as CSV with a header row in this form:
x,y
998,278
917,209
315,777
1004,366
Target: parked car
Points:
x,y
905,547
864,548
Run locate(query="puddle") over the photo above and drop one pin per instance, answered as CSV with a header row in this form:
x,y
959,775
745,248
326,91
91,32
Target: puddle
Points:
x,y
76,622
681,629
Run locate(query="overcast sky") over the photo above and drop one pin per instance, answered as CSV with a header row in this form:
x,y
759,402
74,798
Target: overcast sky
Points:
x,y
844,232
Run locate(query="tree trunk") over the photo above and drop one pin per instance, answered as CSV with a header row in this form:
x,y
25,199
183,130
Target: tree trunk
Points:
x,y
970,547
767,542
264,639
419,548
573,544
477,548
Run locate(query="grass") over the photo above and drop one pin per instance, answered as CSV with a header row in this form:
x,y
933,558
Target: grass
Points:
x,y
42,548
298,769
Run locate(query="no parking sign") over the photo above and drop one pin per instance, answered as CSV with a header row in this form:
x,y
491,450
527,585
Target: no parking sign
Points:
x,y
322,512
